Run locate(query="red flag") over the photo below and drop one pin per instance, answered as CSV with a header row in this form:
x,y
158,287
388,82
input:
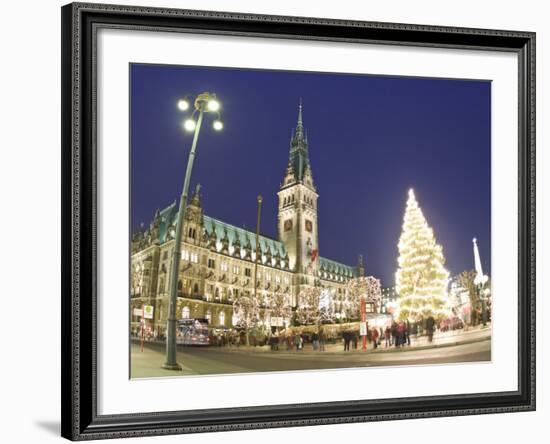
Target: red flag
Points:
x,y
314,254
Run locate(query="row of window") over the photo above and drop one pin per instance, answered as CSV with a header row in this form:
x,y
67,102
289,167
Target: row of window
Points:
x,y
190,256
291,199
333,277
186,255
224,267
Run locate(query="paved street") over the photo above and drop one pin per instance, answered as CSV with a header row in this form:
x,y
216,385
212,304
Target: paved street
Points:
x,y
475,346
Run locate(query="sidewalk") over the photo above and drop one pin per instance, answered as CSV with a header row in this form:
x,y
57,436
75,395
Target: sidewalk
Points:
x,y
440,339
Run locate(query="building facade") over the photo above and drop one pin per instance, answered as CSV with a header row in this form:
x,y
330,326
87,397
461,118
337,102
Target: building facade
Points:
x,y
389,300
218,259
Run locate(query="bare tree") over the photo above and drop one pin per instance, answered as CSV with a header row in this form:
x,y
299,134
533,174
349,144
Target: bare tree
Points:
x,y
247,311
314,306
278,305
359,288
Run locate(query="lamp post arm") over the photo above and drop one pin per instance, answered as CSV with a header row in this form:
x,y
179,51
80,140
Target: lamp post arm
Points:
x,y
176,255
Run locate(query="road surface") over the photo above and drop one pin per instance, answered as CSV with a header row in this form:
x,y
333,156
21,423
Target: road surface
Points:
x,y
223,360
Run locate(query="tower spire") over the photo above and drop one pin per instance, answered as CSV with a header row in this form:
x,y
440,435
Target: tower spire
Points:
x,y
300,125
298,159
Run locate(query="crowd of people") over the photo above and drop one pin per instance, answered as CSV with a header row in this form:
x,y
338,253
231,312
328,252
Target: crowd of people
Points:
x,y
395,334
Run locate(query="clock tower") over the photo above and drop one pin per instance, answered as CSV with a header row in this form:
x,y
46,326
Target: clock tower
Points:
x,y
297,211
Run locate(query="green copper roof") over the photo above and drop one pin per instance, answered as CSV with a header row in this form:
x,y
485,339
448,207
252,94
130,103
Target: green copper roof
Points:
x,y
168,217
336,267
267,245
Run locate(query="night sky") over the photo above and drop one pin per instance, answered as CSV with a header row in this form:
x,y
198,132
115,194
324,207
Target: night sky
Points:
x,y
371,138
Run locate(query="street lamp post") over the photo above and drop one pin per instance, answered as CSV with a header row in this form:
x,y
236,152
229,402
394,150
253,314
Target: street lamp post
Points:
x,y
257,245
257,249
364,320
205,102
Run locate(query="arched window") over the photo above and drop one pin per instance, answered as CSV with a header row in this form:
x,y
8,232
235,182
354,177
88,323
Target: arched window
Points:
x,y
180,285
217,293
222,318
196,289
185,312
208,316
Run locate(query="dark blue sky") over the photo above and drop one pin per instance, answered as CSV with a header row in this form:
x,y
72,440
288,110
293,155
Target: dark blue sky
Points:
x,y
371,138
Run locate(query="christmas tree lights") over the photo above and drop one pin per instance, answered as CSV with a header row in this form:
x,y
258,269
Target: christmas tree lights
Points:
x,y
421,279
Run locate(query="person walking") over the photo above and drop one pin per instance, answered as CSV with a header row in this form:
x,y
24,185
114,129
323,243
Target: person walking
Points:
x,y
321,339
387,336
347,339
401,333
430,326
394,333
375,337
408,332
315,341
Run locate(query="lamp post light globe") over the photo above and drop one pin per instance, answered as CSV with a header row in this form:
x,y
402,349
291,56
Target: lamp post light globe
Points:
x,y
217,125
183,104
189,125
213,105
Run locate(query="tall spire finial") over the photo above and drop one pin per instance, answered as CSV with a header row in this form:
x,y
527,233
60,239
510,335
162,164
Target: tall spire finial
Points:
x,y
300,125
480,278
298,156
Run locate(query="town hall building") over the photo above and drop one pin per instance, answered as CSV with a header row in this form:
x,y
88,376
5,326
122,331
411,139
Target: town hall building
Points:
x,y
218,259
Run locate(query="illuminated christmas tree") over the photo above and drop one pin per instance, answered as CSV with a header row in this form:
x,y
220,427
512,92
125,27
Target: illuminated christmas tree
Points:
x,y
421,279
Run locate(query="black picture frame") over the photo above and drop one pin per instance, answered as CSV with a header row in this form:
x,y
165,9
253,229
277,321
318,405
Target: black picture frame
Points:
x,y
80,420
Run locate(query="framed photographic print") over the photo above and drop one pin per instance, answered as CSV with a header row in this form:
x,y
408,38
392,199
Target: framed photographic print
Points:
x,y
279,221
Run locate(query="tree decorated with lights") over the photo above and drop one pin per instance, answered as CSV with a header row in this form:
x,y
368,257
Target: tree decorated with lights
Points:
x,y
421,279
278,306
246,311
315,305
362,287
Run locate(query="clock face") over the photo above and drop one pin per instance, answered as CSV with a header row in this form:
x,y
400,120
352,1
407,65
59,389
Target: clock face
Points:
x,y
288,225
309,226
